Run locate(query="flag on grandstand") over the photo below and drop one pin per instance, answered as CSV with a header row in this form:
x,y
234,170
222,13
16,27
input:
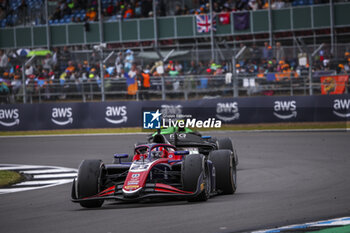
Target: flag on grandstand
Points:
x,y
333,85
270,77
241,20
204,23
22,52
224,18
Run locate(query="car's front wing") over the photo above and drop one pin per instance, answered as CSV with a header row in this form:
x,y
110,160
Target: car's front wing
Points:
x,y
150,190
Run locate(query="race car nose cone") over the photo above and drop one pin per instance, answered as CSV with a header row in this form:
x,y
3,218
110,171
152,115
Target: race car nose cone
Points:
x,y
131,191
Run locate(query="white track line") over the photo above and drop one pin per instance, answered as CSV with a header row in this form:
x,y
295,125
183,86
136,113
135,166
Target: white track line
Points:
x,y
49,176
14,190
23,167
47,171
331,222
41,182
336,223
55,175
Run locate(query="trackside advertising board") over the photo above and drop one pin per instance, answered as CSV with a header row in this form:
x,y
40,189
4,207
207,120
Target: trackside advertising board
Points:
x,y
206,111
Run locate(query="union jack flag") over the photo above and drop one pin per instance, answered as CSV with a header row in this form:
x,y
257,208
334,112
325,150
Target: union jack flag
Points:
x,y
203,23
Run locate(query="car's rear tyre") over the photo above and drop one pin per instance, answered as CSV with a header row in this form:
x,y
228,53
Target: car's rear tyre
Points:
x,y
192,167
213,140
227,144
225,170
88,182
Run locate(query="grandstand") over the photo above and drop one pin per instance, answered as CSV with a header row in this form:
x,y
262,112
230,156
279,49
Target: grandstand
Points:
x,y
255,48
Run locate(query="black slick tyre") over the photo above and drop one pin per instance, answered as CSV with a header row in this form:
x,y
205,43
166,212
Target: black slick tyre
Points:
x,y
192,167
227,144
225,170
88,182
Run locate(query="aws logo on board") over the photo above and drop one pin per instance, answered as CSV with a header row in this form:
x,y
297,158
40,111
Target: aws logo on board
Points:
x,y
116,114
341,108
228,111
9,117
171,110
62,116
285,109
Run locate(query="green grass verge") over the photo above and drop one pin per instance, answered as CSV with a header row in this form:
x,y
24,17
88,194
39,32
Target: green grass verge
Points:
x,y
265,126
9,177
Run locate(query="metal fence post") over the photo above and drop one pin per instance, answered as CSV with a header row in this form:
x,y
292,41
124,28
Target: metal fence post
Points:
x,y
186,87
310,75
102,62
234,75
155,24
211,30
91,91
310,66
270,23
163,87
39,94
235,83
102,80
234,78
83,91
48,39
100,21
24,84
331,16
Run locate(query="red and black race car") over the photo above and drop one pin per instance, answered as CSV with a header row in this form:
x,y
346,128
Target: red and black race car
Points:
x,y
157,169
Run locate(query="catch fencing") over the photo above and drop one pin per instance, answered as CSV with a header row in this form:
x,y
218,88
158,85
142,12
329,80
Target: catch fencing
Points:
x,y
166,88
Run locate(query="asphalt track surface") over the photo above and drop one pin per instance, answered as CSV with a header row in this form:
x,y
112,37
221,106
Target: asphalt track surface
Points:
x,y
283,178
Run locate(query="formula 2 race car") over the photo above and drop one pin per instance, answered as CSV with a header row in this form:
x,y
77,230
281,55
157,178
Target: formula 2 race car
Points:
x,y
195,142
158,169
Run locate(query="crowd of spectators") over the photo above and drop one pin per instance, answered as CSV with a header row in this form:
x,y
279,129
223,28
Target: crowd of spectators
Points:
x,y
242,5
125,9
61,70
78,10
13,12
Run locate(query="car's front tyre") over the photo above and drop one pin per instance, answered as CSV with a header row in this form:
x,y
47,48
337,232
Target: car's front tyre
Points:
x,y
193,166
225,169
88,182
